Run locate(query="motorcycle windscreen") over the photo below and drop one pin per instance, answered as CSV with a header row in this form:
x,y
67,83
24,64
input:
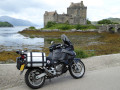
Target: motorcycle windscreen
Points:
x,y
65,39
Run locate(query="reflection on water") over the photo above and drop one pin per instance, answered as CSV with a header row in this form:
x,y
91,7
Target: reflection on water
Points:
x,y
11,40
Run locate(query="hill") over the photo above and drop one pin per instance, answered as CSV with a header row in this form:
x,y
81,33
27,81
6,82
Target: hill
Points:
x,y
16,22
114,20
5,24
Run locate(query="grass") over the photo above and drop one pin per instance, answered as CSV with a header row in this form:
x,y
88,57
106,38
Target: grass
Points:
x,y
8,55
83,54
65,26
57,40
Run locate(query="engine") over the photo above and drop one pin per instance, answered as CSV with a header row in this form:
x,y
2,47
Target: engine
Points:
x,y
59,67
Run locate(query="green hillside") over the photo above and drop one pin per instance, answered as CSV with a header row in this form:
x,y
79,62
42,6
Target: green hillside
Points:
x,y
5,24
115,20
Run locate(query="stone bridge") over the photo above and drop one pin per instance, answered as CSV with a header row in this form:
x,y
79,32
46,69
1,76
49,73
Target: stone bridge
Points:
x,y
110,28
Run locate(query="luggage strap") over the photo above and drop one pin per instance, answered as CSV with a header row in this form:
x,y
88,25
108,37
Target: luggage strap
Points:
x,y
42,59
31,58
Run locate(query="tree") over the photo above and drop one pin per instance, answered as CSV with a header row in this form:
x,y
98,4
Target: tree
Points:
x,y
32,28
88,21
105,21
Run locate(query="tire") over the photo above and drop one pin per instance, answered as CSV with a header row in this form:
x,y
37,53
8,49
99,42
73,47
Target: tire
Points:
x,y
30,78
77,74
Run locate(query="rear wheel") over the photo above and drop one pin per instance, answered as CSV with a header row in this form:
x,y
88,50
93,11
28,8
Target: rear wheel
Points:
x,y
32,81
77,69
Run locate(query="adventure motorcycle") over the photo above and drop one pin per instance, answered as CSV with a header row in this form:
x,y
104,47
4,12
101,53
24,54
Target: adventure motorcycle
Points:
x,y
40,67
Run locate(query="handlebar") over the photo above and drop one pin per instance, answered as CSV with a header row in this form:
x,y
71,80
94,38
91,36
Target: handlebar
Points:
x,y
21,52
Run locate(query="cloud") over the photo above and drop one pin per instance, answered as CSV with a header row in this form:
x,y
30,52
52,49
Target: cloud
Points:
x,y
33,10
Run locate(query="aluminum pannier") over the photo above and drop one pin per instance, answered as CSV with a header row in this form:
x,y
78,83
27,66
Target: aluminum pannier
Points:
x,y
35,59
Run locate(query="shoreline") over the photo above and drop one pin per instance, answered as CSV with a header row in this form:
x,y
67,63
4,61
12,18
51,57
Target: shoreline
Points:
x,y
85,43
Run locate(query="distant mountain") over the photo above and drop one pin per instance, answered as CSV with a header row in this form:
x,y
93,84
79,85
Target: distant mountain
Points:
x,y
114,20
94,22
16,22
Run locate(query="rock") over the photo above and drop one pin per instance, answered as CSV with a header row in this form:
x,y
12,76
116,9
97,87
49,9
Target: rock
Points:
x,y
73,30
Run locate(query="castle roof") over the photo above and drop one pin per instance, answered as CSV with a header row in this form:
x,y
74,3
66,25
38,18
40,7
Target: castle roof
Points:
x,y
50,13
76,4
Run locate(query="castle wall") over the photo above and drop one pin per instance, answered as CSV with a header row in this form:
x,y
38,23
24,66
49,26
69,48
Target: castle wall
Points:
x,y
63,18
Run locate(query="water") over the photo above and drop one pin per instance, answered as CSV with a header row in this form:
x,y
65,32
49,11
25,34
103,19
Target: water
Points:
x,y
10,39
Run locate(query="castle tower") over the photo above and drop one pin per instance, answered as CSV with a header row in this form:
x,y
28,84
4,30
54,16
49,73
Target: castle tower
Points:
x,y
77,11
50,16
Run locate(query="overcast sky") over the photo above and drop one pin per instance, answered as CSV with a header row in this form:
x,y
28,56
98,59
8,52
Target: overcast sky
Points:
x,y
33,10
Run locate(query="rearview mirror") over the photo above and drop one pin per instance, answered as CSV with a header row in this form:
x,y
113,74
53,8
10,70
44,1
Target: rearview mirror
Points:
x,y
52,42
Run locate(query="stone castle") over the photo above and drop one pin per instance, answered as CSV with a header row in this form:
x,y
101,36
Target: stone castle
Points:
x,y
76,14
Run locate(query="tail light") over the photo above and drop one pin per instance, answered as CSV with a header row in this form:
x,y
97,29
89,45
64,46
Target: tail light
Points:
x,y
22,56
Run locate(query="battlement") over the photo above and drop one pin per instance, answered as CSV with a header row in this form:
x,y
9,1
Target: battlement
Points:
x,y
74,5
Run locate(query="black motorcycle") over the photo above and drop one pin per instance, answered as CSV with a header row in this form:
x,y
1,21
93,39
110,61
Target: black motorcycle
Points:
x,y
60,59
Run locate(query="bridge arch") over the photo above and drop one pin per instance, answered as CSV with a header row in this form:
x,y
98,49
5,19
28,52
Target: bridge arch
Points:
x,y
118,30
111,29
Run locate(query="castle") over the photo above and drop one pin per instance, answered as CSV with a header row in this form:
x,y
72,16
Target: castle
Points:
x,y
76,14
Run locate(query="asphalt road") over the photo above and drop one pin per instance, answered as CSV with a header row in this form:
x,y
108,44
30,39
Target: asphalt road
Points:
x,y
102,73
105,79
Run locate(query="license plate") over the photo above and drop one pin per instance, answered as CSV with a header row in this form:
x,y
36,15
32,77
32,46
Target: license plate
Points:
x,y
22,67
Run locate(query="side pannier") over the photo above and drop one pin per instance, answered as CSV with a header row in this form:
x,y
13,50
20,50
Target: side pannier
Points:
x,y
35,59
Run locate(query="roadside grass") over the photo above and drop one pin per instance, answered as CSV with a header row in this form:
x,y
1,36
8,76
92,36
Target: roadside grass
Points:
x,y
8,55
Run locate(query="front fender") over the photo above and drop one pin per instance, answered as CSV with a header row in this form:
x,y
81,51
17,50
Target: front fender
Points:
x,y
76,59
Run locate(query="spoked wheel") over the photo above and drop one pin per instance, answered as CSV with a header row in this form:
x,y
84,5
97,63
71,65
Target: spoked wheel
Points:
x,y
77,69
31,78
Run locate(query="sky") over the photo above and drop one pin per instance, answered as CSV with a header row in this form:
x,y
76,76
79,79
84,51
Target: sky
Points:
x,y
33,10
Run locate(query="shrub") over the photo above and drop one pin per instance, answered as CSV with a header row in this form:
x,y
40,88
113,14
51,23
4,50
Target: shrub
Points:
x,y
32,28
84,27
64,27
106,21
83,54
50,24
88,21
77,27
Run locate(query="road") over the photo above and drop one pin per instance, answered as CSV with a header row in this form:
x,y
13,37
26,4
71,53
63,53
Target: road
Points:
x,y
102,73
107,79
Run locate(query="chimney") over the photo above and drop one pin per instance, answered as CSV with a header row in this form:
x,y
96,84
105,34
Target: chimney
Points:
x,y
71,3
81,2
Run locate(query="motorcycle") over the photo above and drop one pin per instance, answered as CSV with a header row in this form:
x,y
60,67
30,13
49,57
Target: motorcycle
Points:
x,y
60,59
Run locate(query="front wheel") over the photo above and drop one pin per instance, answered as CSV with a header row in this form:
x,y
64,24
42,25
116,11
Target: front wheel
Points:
x,y
77,69
32,81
